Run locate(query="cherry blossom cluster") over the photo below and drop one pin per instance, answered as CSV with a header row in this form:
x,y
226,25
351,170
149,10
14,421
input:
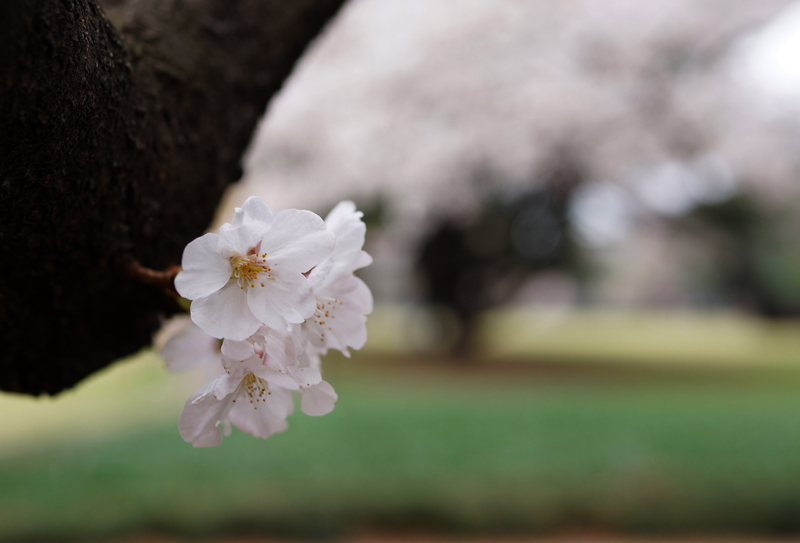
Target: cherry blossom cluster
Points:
x,y
270,294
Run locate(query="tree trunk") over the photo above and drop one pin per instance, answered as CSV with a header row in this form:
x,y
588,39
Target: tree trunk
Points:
x,y
116,144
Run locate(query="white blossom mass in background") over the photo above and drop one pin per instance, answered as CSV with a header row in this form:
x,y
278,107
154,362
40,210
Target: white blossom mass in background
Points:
x,y
426,108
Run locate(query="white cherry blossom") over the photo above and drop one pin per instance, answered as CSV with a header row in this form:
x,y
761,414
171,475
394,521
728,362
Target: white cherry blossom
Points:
x,y
252,273
273,356
252,394
284,364
342,299
250,406
270,293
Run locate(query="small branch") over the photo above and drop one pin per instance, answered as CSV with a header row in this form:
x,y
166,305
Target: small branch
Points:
x,y
165,280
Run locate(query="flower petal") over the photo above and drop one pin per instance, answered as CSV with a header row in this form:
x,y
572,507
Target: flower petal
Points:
x,y
345,222
317,277
307,377
343,211
318,400
256,210
240,240
201,393
200,420
342,325
364,259
288,300
282,348
239,368
238,217
298,241
225,313
265,418
310,360
225,385
205,271
278,378
349,288
360,297
237,350
189,346
250,224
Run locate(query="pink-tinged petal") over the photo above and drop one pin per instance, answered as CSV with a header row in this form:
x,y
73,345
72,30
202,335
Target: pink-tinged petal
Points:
x,y
342,212
298,241
238,217
250,224
237,350
263,418
232,367
225,314
352,333
201,417
188,347
201,393
364,259
335,277
318,400
214,371
204,270
282,348
307,377
360,298
336,285
278,378
225,385
209,439
351,290
239,368
345,222
317,277
338,326
240,240
257,211
288,300
310,360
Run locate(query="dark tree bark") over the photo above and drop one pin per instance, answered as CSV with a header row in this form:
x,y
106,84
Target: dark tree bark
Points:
x,y
115,148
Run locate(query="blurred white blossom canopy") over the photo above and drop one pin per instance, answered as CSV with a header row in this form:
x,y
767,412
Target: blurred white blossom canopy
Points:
x,y
427,106
408,99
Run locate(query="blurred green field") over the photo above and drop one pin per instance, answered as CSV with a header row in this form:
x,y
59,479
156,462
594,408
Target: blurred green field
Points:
x,y
658,338
415,445
676,338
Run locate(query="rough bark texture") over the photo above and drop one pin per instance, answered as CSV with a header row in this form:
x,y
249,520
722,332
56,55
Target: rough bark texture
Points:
x,y
115,147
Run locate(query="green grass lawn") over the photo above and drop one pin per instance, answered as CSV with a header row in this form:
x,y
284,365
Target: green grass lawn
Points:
x,y
657,338
436,448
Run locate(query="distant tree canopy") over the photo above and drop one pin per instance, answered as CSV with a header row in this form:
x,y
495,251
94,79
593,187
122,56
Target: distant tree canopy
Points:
x,y
121,129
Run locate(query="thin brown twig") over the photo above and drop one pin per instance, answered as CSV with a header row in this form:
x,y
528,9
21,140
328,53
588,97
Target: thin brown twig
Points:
x,y
165,280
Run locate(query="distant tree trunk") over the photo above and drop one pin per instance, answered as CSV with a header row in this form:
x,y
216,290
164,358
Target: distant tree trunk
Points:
x,y
116,144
